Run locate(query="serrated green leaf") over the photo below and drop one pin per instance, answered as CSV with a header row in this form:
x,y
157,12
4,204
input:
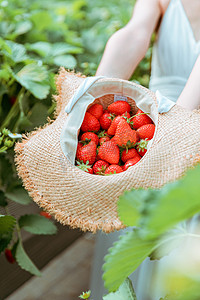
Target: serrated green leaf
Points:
x,y
68,61
176,202
124,258
35,79
19,195
23,27
18,52
7,224
125,292
37,224
42,48
24,261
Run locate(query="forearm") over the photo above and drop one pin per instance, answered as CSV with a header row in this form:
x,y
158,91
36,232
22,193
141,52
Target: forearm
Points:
x,y
122,54
127,47
190,96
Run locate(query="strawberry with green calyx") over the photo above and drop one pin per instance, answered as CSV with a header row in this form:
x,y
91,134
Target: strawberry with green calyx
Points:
x,y
100,166
96,110
90,123
126,115
109,152
85,167
140,119
119,107
113,169
87,153
124,135
146,131
132,162
128,154
106,120
142,147
103,140
90,136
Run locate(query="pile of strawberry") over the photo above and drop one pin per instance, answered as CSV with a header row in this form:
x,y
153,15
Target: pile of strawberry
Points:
x,y
112,140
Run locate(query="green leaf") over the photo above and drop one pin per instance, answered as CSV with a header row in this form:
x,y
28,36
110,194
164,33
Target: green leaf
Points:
x,y
68,61
63,48
42,48
18,52
175,202
18,195
37,224
42,20
124,258
3,201
130,205
38,114
35,79
23,27
125,292
7,224
24,261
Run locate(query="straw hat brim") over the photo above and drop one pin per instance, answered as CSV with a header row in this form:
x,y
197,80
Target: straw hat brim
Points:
x,y
87,201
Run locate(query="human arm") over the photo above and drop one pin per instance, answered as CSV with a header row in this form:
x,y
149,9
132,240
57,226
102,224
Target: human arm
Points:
x,y
126,47
190,96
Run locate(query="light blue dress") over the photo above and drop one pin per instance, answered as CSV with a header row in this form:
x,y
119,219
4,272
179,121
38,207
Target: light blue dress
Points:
x,y
174,55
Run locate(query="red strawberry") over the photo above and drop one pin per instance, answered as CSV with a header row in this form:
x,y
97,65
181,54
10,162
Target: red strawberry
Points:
x,y
96,110
85,167
119,107
142,147
9,256
132,162
90,123
124,135
128,154
90,136
105,121
113,126
104,139
146,131
109,152
79,146
45,214
113,169
126,115
140,119
87,153
100,167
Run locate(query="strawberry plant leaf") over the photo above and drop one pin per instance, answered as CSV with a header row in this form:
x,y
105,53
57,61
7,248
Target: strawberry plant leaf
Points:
x,y
124,257
174,203
35,79
19,195
68,61
41,48
124,292
37,224
7,224
17,52
24,261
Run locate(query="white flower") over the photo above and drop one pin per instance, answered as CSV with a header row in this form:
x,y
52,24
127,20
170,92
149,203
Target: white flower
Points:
x,y
15,135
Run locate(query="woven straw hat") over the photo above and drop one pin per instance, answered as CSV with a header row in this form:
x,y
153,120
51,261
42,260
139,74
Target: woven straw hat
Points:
x,y
87,201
